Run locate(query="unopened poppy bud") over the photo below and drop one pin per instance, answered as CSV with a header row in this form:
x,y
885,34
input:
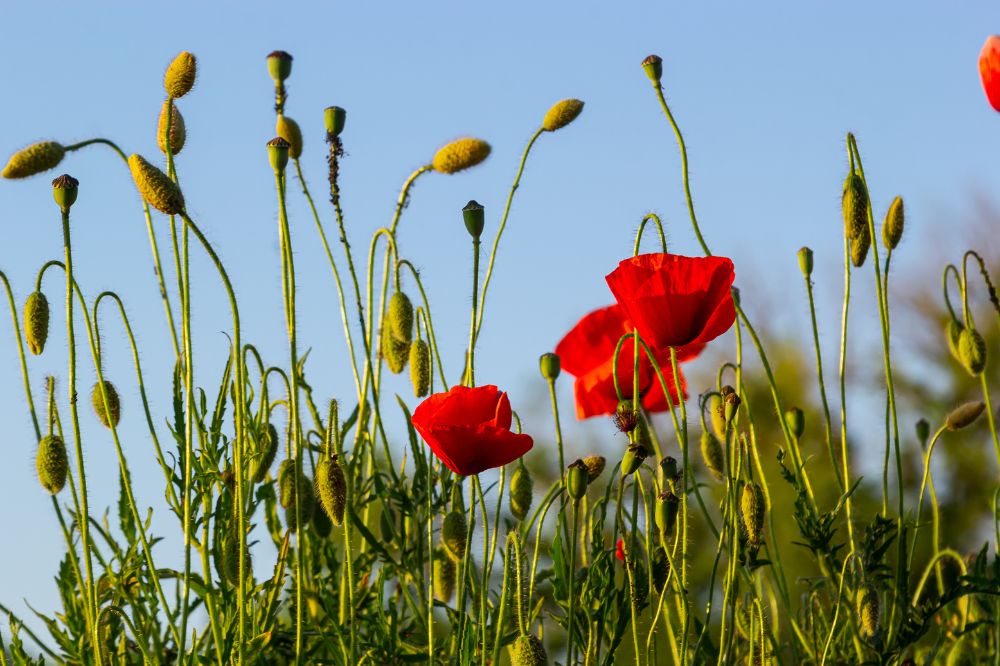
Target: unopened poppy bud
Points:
x,y
51,463
286,483
306,500
953,332
576,479
460,154
561,114
278,150
395,352
868,612
267,449
964,415
64,190
331,487
36,321
420,368
595,465
711,453
668,465
279,65
659,568
444,576
474,216
400,317
752,506
634,456
527,650
113,413
855,206
549,365
860,245
665,513
806,261
716,410
892,228
180,75
229,559
796,422
289,130
972,350
626,418
155,187
454,531
653,66
923,430
334,118
731,406
34,159
178,133
521,492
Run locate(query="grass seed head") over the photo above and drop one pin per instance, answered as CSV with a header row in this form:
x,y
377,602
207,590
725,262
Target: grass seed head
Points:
x,y
180,75
420,368
113,414
36,321
155,187
51,463
178,133
34,159
460,155
561,113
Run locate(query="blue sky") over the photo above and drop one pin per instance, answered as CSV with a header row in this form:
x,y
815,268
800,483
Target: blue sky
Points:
x,y
764,93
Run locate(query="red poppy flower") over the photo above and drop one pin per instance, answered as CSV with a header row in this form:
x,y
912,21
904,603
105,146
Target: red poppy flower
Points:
x,y
469,429
989,70
673,300
587,352
620,549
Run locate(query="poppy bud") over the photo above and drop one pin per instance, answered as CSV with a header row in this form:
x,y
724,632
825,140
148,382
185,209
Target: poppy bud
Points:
x,y
460,155
752,505
474,216
806,261
717,413
549,365
731,406
868,612
953,332
562,114
181,74
400,317
454,531
64,190
34,159
286,483
395,352
669,468
331,486
289,130
860,245
892,228
528,650
444,576
989,71
36,321
659,568
711,453
635,454
521,491
972,350
796,422
653,66
576,479
923,430
51,463
178,133
228,564
334,118
420,368
155,187
267,449
625,417
278,150
667,505
113,413
279,65
855,206
307,502
595,465
964,415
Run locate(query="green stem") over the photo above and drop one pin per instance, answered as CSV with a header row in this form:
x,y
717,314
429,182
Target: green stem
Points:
x,y
828,431
471,374
571,605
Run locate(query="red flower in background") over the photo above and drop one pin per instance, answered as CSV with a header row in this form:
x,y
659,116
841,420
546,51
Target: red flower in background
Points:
x,y
989,70
469,429
620,549
673,300
587,353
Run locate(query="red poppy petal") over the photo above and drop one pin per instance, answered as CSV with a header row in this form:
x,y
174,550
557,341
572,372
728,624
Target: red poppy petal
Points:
x,y
460,406
592,341
989,70
595,395
468,451
502,416
654,399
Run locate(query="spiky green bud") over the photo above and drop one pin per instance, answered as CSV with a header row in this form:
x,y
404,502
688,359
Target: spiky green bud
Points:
x,y
892,228
307,503
712,454
521,492
286,483
51,463
717,414
528,650
113,413
180,75
454,531
868,612
855,206
320,520
445,573
860,245
155,187
972,350
400,317
34,159
420,368
178,131
460,154
795,420
953,333
36,321
395,352
267,449
331,487
752,507
562,113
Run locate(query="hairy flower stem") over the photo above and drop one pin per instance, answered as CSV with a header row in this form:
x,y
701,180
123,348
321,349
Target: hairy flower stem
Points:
x,y
828,431
571,601
470,379
967,315
923,489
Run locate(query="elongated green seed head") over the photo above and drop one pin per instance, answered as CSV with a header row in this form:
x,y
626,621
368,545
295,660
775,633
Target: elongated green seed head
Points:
x,y
289,130
178,132
454,531
113,414
868,612
51,463
522,491
528,651
180,75
34,159
561,114
972,351
444,576
155,187
36,321
711,453
420,368
964,415
460,155
331,486
855,206
752,506
267,449
892,228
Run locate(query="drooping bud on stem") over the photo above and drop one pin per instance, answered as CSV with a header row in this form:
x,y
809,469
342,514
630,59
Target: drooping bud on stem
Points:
x,y
752,509
964,415
892,228
178,132
953,333
113,413
868,612
155,187
400,317
267,449
51,463
454,531
420,368
528,650
331,487
34,159
795,420
711,453
460,154
36,321
445,573
289,130
972,350
855,206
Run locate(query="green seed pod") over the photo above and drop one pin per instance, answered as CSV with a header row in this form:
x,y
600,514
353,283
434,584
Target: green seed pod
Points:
x,y
796,422
626,418
400,317
278,150
51,463
550,366
395,352
289,130
561,114
972,351
307,503
178,133
267,449
859,248
460,155
752,505
964,415
334,119
155,187
331,486
712,455
716,411
576,479
34,159
321,521
892,228
855,206
528,650
454,531
420,368
953,333
634,456
474,217
595,466
668,467
653,66
923,429
113,414
868,612
279,65
36,321
806,261
445,573
286,483
521,492
64,191
181,74
667,505
964,652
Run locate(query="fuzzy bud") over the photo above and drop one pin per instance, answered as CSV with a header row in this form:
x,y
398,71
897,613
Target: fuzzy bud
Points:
x,y
474,216
653,66
855,206
521,492
561,114
286,483
307,503
334,119
64,191
923,429
625,417
289,130
711,453
752,505
964,415
953,333
155,187
395,352
36,321
731,405
278,150
51,463
806,261
716,410
665,513
868,612
267,449
113,414
860,245
34,159
528,650
659,568
595,466
454,531
550,366
400,317
331,486
892,228
634,456
279,65
972,350
668,466
420,368
460,155
576,480
795,420
180,75
178,133
444,576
